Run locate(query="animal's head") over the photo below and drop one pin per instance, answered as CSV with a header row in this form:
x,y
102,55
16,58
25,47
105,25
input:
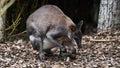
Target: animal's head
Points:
x,y
78,34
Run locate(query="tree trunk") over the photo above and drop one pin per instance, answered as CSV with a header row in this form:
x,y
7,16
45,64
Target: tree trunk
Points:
x,y
1,28
109,15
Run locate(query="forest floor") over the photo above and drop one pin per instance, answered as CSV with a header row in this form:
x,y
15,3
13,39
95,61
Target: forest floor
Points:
x,y
101,50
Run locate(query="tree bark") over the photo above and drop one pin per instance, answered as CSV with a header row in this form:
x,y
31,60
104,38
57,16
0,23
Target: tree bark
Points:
x,y
109,15
1,28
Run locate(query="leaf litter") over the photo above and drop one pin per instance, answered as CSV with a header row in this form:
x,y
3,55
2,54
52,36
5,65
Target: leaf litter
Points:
x,y
101,50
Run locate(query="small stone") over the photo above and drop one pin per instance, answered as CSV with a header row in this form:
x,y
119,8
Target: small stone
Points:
x,y
68,59
58,66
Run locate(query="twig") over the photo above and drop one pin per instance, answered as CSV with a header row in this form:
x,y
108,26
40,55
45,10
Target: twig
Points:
x,y
101,40
17,34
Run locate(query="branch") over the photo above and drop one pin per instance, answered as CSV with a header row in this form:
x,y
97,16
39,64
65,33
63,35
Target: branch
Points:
x,y
2,2
2,10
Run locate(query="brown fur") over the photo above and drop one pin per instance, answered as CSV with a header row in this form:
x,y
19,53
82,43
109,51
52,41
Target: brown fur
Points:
x,y
49,24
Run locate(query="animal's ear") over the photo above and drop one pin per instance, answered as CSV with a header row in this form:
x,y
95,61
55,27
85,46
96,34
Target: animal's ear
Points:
x,y
73,28
79,25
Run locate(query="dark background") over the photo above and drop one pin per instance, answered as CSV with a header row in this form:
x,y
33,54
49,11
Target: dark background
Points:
x,y
77,10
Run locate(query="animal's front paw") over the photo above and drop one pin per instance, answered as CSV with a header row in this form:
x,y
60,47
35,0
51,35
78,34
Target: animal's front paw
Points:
x,y
42,57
